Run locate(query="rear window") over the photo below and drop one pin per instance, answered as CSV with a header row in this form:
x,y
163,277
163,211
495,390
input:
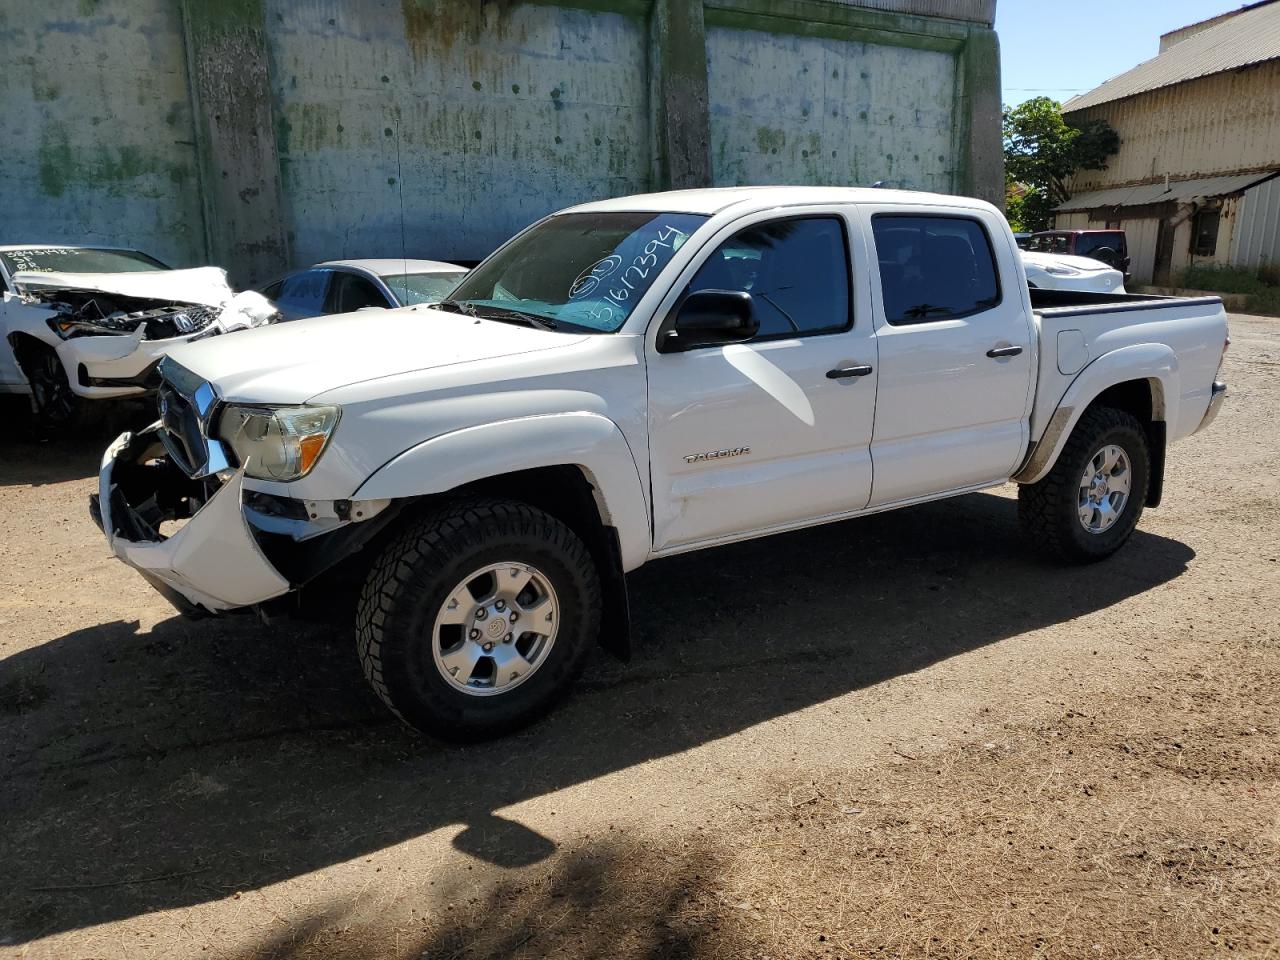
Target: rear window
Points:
x,y
1050,243
934,268
422,287
1087,243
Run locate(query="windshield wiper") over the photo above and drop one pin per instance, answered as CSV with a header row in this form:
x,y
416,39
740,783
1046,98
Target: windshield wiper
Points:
x,y
503,314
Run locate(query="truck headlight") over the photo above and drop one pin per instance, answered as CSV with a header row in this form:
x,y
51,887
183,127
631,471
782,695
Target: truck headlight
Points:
x,y
277,443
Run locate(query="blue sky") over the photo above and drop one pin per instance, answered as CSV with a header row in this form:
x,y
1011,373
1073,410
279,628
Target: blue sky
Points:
x,y
1061,49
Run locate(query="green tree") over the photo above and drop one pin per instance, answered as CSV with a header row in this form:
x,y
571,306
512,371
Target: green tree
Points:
x,y
1041,152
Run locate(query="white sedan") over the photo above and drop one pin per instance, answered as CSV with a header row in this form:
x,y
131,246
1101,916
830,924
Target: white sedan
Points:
x,y
343,286
1055,271
80,324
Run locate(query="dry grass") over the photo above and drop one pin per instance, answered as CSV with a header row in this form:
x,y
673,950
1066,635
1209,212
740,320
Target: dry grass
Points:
x,y
1146,828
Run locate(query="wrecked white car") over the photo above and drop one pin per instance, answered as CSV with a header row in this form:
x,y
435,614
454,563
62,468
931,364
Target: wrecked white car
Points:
x,y
80,324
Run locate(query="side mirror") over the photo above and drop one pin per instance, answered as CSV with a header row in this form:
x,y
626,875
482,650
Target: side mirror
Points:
x,y
710,318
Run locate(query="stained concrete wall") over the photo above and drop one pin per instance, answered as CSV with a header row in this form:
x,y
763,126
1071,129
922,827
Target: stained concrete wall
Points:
x,y
261,134
95,119
796,110
469,122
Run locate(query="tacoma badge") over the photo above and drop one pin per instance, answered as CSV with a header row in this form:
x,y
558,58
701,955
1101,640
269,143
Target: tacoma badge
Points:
x,y
716,454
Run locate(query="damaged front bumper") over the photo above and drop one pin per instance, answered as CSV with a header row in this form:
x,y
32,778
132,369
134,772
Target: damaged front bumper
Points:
x,y
227,554
104,367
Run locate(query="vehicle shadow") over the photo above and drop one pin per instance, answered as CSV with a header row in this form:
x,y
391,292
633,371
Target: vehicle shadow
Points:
x,y
29,456
146,771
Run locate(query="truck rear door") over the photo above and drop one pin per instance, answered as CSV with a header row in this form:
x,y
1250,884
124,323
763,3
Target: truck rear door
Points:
x,y
956,344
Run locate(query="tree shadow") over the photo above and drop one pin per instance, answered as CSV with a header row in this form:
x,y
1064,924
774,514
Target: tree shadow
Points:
x,y
612,898
226,755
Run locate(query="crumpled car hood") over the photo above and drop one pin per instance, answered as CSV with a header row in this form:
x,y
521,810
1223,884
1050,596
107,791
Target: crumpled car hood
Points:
x,y
152,305
295,362
202,285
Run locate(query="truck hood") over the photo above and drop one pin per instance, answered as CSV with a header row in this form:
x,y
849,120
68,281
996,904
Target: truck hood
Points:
x,y
201,285
293,362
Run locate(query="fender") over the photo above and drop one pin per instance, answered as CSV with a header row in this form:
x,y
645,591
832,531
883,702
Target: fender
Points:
x,y
1153,362
586,440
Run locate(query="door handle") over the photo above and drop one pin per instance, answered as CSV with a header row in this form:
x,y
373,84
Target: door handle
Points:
x,y
997,352
845,373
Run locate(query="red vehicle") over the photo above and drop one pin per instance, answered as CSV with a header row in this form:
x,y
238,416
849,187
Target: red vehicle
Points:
x,y
1109,246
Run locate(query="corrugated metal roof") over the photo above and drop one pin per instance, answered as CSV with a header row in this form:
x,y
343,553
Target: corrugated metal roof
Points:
x,y
1180,191
1252,36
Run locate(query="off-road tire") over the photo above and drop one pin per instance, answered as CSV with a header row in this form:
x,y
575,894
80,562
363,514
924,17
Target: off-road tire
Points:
x,y
1048,509
410,581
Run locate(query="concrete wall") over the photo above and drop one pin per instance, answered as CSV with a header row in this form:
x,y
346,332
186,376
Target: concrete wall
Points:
x,y
469,125
97,129
822,110
261,134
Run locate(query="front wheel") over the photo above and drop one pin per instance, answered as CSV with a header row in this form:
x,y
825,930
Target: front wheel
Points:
x,y
55,407
1086,507
478,618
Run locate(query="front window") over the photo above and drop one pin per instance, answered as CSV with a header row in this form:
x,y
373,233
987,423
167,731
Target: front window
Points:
x,y
78,260
580,270
797,272
349,293
411,288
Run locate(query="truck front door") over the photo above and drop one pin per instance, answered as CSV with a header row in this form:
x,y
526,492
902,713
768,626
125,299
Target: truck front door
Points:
x,y
764,434
956,345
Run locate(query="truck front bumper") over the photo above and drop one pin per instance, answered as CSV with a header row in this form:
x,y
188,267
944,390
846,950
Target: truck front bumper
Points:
x,y
1216,397
213,562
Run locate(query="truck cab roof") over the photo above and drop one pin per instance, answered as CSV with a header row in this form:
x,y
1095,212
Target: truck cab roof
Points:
x,y
713,200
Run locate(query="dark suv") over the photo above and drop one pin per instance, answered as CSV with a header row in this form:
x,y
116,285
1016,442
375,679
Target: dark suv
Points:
x,y
1109,246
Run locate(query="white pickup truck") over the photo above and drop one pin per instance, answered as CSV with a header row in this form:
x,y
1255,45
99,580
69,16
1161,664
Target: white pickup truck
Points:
x,y
636,378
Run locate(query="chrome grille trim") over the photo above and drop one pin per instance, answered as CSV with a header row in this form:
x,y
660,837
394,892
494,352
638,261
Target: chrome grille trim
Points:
x,y
187,407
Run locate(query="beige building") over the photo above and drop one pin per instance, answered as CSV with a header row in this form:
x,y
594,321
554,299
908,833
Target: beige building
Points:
x,y
1199,126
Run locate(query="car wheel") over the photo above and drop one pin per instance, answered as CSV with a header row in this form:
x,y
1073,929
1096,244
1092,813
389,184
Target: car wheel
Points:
x,y
55,408
478,618
1086,507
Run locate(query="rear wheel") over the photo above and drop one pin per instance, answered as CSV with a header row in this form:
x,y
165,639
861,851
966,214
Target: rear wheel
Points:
x,y
478,619
1088,504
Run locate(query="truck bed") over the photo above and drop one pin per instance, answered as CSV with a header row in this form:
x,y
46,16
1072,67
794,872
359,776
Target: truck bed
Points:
x,y
1064,302
1077,328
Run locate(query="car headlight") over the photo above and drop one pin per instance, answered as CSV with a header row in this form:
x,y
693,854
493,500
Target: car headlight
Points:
x,y
1060,271
277,443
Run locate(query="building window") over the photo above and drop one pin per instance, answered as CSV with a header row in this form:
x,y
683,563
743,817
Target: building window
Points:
x,y
1204,235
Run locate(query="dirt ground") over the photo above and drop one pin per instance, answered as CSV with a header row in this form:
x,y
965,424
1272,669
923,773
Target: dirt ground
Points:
x,y
903,736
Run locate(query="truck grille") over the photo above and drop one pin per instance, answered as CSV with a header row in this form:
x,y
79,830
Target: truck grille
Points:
x,y
185,403
182,438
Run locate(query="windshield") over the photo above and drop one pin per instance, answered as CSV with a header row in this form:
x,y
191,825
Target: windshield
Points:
x,y
411,288
586,270
78,260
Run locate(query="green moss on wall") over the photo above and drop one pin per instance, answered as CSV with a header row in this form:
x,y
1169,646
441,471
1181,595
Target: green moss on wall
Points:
x,y
116,171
